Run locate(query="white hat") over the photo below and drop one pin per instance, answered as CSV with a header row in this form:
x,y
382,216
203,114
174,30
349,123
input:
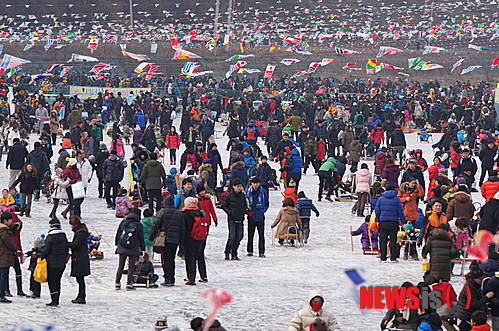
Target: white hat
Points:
x,y
72,161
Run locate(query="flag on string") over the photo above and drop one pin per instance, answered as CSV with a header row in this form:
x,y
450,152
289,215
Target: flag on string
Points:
x,y
238,57
123,47
272,47
59,46
301,73
389,66
383,51
431,49
354,69
289,62
413,61
227,39
404,74
99,67
313,66
217,298
100,75
495,63
92,45
48,43
299,51
420,65
181,54
241,47
345,51
430,66
35,78
1,48
65,70
154,48
269,71
142,67
350,64
53,67
28,47
138,57
325,62
469,69
478,48
248,71
82,58
458,63
10,61
371,66
232,68
189,67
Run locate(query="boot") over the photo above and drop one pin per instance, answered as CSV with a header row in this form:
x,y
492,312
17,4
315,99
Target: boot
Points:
x,y
19,282
415,257
21,213
191,279
81,301
71,213
65,213
227,257
406,254
55,299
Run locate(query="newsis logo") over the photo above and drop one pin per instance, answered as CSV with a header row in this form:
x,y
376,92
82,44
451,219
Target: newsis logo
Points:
x,y
381,297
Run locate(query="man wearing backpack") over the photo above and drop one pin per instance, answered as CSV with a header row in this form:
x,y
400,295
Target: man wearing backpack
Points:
x,y
251,133
258,199
154,175
190,156
358,123
208,175
130,244
235,206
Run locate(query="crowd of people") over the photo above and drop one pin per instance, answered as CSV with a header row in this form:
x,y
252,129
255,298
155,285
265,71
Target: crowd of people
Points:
x,y
171,212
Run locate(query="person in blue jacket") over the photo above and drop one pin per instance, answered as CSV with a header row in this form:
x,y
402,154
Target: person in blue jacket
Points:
x,y
293,168
258,200
249,161
430,320
238,170
305,206
140,120
389,214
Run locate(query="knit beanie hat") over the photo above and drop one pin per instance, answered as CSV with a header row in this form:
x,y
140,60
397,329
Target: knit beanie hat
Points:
x,y
476,274
191,202
200,188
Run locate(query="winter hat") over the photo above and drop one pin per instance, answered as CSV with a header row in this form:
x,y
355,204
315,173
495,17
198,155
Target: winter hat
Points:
x,y
380,190
207,161
161,323
413,161
72,161
114,152
54,223
476,274
301,194
46,120
37,145
460,181
408,227
58,171
190,203
200,188
169,201
102,146
173,171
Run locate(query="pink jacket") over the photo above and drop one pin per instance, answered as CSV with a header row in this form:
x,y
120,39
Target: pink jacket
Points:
x,y
120,149
363,181
123,205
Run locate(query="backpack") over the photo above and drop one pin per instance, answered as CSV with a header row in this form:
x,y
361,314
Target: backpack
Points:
x,y
200,228
251,133
193,159
212,180
128,237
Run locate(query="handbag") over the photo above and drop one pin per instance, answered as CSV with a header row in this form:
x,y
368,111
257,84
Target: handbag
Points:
x,y
160,240
40,273
78,190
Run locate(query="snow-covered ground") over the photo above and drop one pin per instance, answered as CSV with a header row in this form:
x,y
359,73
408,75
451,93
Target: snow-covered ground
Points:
x,y
267,292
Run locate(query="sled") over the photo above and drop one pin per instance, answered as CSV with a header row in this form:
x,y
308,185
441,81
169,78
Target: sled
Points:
x,y
120,215
96,255
462,261
367,158
343,199
370,251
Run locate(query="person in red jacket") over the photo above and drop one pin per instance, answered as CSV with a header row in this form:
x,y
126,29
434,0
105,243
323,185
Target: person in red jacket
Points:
x,y
455,157
490,187
321,154
206,205
377,135
16,228
420,161
172,142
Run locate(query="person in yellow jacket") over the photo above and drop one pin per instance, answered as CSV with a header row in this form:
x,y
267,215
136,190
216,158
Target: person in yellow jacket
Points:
x,y
7,201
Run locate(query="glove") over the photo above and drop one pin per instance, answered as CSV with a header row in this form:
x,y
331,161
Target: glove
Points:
x,y
420,243
216,223
383,325
317,214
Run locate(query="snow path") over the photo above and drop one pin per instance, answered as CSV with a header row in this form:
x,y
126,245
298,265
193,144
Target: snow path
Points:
x,y
267,292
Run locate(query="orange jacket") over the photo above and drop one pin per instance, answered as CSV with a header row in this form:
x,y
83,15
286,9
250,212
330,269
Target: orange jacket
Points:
x,y
411,206
489,189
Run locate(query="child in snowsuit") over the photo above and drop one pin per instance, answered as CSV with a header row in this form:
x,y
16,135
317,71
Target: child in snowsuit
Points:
x,y
143,269
147,223
123,204
171,181
249,161
410,241
365,234
17,197
305,206
137,194
35,287
7,202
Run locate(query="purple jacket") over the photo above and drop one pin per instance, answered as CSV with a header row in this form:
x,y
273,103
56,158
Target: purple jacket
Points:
x,y
362,230
391,173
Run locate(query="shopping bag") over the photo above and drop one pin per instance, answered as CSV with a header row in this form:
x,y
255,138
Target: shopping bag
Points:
x,y
40,273
78,190
425,265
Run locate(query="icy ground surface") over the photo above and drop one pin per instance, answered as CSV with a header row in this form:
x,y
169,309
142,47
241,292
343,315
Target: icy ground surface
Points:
x,y
267,292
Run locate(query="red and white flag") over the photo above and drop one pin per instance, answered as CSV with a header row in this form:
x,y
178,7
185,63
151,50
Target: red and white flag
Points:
x,y
217,298
99,67
92,45
270,70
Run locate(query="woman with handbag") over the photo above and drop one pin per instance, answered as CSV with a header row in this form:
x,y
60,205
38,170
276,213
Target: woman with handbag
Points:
x,y
80,262
56,252
72,174
168,233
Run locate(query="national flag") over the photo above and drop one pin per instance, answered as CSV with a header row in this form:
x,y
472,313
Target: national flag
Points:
x,y
92,45
98,68
49,43
383,51
1,49
59,46
345,51
28,47
53,67
181,54
357,279
269,71
458,63
389,66
238,57
495,63
478,48
227,39
232,68
101,75
431,49
289,62
217,298
82,58
413,61
313,66
10,61
123,47
35,78
469,69
154,48
301,73
248,71
260,39
65,70
241,47
371,66
138,57
420,65
430,66
142,67
189,68
350,64
325,62
323,37
153,70
299,51
404,74
293,40
272,47
354,69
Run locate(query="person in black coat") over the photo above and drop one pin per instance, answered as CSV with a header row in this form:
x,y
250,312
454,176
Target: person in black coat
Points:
x,y
232,130
493,286
38,158
264,172
274,135
471,299
206,129
102,156
489,215
487,155
192,246
235,206
135,245
56,250
16,158
170,221
397,141
80,262
29,183
149,139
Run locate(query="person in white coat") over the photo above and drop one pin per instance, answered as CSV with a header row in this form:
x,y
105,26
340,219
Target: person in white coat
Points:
x,y
303,318
59,193
83,164
363,181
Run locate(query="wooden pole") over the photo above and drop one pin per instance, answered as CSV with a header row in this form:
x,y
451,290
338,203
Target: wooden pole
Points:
x,y
100,235
351,237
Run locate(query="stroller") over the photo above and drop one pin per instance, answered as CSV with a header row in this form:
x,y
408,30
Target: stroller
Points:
x,y
424,136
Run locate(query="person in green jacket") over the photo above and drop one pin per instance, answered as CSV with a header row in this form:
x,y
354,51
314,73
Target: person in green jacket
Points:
x,y
97,134
154,175
147,223
327,174
295,122
358,123
310,151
